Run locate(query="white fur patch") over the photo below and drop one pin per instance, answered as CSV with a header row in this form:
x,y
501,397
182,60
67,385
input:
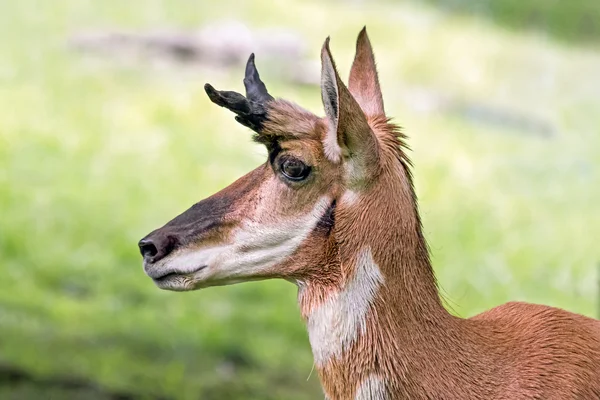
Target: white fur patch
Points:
x,y
350,197
372,388
336,324
254,249
331,148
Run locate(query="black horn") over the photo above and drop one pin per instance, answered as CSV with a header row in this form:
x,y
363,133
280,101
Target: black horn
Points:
x,y
251,110
255,88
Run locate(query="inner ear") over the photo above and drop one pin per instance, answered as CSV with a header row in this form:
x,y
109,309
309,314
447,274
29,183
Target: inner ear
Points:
x,y
330,96
329,88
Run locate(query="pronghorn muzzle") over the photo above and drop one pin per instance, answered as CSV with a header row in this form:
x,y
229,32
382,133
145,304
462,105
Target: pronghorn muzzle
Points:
x,y
196,224
207,222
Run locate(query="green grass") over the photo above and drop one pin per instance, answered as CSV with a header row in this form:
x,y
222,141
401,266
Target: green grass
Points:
x,y
94,155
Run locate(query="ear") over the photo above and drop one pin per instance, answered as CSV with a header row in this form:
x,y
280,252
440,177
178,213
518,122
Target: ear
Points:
x,y
349,136
363,83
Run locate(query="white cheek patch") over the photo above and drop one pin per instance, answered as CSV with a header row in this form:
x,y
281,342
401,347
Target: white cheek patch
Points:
x,y
254,248
372,388
336,324
186,262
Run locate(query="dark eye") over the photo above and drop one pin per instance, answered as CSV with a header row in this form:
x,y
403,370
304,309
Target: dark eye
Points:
x,y
294,169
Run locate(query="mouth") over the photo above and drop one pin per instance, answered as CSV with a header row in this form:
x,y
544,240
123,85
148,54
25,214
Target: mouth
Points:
x,y
165,277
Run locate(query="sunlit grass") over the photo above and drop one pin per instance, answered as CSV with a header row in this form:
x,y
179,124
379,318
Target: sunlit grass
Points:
x,y
93,156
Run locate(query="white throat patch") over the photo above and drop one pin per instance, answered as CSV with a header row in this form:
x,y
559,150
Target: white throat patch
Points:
x,y
372,388
336,324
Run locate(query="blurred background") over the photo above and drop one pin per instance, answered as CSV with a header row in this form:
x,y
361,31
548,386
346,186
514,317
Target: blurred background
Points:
x,y
106,133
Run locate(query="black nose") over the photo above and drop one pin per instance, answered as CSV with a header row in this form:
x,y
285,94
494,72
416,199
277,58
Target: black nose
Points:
x,y
147,248
156,247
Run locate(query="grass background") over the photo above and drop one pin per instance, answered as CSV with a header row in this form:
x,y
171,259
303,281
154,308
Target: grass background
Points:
x,y
93,155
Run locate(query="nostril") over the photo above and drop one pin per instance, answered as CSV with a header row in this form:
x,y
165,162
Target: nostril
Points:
x,y
157,246
147,248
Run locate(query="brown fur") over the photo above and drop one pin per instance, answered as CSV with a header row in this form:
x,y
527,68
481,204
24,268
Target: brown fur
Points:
x,y
411,343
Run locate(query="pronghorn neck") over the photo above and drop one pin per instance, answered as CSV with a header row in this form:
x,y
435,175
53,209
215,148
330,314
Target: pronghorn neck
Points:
x,y
380,300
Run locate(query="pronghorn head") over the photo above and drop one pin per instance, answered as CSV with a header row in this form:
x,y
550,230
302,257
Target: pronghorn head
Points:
x,y
280,220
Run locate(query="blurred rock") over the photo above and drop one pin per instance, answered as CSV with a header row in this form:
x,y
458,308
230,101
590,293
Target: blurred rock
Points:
x,y
506,119
430,101
224,44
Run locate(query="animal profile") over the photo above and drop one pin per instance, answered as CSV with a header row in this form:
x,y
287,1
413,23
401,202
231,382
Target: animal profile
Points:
x,y
334,211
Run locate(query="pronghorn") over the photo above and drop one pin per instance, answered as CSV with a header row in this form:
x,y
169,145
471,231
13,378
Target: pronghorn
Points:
x,y
334,211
